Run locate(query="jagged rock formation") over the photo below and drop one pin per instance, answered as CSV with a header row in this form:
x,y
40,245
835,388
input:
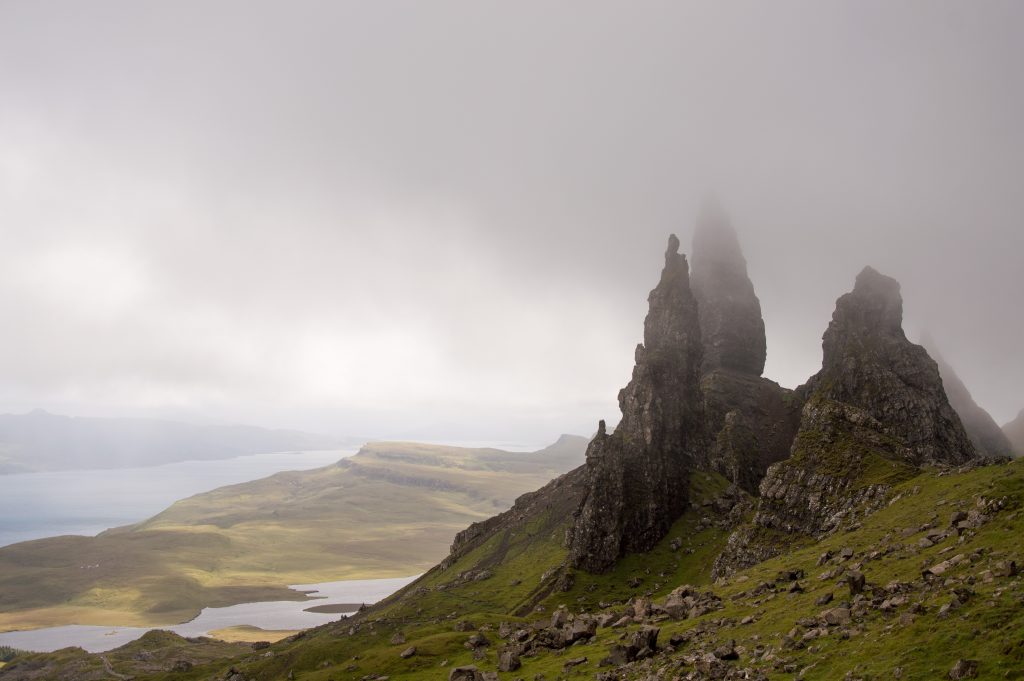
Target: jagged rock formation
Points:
x,y
873,415
1014,431
730,313
869,364
750,421
985,434
637,477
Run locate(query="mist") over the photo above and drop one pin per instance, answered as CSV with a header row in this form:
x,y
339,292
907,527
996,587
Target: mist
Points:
x,y
441,220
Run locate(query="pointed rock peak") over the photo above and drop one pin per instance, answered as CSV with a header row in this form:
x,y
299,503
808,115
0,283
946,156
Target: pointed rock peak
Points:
x,y
637,477
874,306
675,262
673,247
715,243
671,303
869,364
871,282
730,313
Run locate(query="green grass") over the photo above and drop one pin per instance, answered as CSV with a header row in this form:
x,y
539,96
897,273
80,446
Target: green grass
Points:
x,y
988,628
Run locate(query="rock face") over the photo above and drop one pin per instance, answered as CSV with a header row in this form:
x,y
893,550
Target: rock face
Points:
x,y
872,416
750,424
750,421
887,384
986,436
730,313
637,477
1014,431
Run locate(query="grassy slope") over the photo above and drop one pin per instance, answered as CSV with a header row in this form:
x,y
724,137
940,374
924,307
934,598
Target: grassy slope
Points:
x,y
389,511
989,627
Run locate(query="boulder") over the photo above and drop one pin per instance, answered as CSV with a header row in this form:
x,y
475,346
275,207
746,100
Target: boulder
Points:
x,y
465,673
508,660
964,669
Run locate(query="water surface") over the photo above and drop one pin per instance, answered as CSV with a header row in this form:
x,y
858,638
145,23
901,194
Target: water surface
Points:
x,y
36,505
267,615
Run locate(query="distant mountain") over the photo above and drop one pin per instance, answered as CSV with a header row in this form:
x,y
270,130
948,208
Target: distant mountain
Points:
x,y
41,441
390,510
981,428
1014,431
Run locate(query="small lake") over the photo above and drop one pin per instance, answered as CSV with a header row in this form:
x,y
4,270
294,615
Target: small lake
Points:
x,y
37,505
268,615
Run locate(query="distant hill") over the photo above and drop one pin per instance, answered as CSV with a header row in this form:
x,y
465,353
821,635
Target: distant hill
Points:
x,y
1014,431
41,441
981,428
390,510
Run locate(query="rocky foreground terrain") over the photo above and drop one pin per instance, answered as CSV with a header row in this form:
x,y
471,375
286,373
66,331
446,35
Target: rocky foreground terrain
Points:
x,y
726,529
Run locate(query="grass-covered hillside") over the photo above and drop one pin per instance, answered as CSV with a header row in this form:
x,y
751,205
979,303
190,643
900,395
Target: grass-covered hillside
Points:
x,y
390,510
933,578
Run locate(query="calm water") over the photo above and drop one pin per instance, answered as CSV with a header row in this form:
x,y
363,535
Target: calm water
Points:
x,y
267,615
36,505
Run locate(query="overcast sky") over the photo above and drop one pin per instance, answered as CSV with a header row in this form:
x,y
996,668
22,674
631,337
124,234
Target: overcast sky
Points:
x,y
442,219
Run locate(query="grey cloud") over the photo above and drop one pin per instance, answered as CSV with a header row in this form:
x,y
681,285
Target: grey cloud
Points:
x,y
404,217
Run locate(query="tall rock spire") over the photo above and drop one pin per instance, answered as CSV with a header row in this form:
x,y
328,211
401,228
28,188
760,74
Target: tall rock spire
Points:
x,y
750,421
730,313
637,477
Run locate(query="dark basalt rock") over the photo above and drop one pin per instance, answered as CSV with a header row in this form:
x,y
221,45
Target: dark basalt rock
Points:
x,y
637,477
870,365
750,421
873,415
750,424
981,428
730,313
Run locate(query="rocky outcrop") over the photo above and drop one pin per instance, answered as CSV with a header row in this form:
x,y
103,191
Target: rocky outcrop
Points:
x,y
981,428
730,313
637,477
750,424
750,421
873,415
1014,431
892,385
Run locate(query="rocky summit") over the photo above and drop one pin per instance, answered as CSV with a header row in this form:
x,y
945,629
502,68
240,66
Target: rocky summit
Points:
x,y
730,313
637,476
885,383
873,415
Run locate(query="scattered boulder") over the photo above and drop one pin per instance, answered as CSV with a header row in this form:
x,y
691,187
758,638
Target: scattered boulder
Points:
x,y
964,669
835,617
508,660
856,581
727,651
408,652
465,673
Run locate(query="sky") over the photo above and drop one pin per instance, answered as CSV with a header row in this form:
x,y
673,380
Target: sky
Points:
x,y
441,220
